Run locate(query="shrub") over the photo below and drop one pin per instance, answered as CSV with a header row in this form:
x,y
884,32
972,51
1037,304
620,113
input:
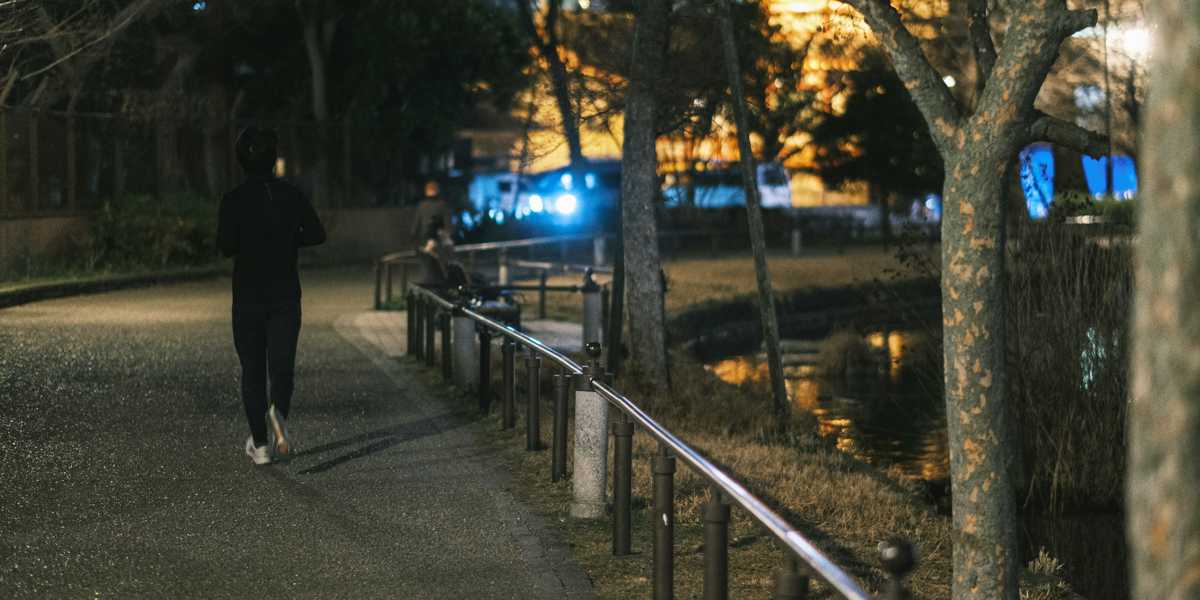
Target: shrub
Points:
x,y
138,231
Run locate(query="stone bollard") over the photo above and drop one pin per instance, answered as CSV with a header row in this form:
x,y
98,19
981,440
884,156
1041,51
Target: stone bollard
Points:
x,y
599,251
588,481
593,310
466,369
502,266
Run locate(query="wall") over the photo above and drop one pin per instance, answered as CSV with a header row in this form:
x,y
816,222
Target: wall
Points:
x,y
354,235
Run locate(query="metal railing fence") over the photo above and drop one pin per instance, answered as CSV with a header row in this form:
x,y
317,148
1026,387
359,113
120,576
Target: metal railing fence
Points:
x,y
467,336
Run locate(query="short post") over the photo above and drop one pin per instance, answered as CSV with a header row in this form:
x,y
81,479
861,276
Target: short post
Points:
x,y
591,443
485,368
562,388
664,524
716,548
622,484
898,558
599,252
419,327
502,266
410,312
404,264
508,352
447,354
605,314
388,292
790,584
378,282
592,310
796,240
431,316
465,368
533,417
542,295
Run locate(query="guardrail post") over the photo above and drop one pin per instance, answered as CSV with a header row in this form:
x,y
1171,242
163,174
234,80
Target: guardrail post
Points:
x,y
410,312
605,314
485,368
622,484
465,367
404,264
599,252
898,559
542,295
419,327
790,584
562,251
502,266
388,290
664,525
447,372
591,443
431,316
592,309
716,548
712,244
508,417
562,388
533,416
378,284
797,239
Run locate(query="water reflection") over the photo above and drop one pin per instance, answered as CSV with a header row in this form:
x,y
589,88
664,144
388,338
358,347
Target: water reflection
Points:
x,y
879,414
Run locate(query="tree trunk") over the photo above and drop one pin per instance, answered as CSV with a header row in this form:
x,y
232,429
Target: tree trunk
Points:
x,y
1163,489
984,508
315,48
766,297
639,178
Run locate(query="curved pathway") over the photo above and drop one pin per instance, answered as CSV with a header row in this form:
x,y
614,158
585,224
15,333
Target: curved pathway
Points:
x,y
122,473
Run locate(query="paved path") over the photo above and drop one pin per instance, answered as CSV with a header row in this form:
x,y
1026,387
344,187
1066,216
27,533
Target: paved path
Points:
x,y
122,474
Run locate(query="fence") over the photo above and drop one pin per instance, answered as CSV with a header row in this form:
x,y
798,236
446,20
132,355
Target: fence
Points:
x,y
462,328
53,162
467,335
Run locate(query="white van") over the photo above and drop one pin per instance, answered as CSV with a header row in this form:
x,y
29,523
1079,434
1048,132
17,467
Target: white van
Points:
x,y
722,187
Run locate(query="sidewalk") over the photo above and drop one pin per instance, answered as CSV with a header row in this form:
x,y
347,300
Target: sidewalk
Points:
x,y
126,477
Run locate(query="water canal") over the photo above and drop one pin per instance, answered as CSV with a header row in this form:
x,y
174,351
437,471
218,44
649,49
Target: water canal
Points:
x,y
885,410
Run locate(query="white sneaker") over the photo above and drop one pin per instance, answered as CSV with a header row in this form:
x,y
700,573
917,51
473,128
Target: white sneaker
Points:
x,y
258,454
279,429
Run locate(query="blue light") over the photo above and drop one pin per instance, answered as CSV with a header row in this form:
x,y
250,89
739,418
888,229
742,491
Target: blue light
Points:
x,y
589,181
199,5
567,204
1037,179
566,181
1124,176
536,204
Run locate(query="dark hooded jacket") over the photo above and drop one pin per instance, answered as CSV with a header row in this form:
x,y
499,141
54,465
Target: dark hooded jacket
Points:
x,y
261,225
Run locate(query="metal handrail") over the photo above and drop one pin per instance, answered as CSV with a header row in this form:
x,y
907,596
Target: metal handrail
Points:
x,y
788,535
777,525
486,246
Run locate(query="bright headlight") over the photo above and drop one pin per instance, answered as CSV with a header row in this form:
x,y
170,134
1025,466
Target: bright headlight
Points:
x,y
566,204
536,204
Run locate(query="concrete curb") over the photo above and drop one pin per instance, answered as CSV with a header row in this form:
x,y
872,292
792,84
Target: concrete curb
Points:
x,y
46,291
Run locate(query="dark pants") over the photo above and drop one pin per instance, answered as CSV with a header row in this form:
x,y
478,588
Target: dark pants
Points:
x,y
265,338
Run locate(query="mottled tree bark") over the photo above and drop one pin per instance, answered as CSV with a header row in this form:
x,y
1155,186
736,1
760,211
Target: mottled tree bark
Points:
x,y
977,148
639,186
1163,489
766,298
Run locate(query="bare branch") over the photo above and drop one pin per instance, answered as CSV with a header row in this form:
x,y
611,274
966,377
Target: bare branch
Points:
x,y
118,24
981,42
923,82
1068,135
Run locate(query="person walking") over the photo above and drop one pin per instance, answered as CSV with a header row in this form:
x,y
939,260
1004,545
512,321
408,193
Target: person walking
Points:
x,y
261,224
432,206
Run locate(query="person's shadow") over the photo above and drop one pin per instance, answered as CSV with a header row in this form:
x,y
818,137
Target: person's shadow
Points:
x,y
380,439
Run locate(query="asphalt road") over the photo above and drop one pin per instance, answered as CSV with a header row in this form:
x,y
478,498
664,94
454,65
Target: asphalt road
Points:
x,y
122,472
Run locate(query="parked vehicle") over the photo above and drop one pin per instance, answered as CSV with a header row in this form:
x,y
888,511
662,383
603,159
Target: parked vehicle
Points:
x,y
495,195
556,197
722,187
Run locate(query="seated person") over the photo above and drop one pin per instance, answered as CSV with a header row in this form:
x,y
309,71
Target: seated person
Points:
x,y
436,253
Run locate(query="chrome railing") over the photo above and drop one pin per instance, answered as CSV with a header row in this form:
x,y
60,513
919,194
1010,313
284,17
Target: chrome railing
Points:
x,y
429,307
